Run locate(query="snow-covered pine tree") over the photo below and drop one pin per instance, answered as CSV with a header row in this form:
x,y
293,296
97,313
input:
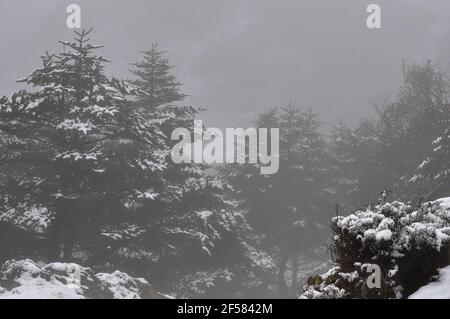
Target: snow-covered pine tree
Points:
x,y
288,207
406,129
81,145
154,77
189,238
343,166
86,165
434,171
304,185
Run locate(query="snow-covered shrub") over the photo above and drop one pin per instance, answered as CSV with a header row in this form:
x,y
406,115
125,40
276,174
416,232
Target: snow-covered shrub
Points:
x,y
408,243
25,279
324,286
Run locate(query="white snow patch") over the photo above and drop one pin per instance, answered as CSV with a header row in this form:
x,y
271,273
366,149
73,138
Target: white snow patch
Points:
x,y
435,290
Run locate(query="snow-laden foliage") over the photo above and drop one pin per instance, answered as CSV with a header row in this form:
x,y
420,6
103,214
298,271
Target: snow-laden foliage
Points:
x,y
33,218
290,208
323,286
435,170
408,243
25,279
65,142
85,167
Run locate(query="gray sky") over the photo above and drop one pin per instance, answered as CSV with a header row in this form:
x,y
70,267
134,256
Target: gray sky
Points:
x,y
238,57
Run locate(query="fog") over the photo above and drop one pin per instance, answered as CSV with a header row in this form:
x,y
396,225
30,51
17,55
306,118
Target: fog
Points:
x,y
93,172
239,57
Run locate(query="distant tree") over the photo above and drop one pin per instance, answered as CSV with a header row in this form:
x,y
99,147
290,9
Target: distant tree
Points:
x,y
434,171
155,79
290,207
343,166
432,176
189,233
407,127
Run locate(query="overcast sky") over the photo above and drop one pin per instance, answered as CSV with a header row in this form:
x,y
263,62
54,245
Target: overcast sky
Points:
x,y
238,57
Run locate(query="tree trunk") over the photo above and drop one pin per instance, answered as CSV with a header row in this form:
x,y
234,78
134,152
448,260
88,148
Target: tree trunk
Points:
x,y
294,273
282,272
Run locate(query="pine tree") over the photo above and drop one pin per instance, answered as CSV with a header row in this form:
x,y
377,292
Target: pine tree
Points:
x,y
289,207
343,166
434,171
407,127
78,137
155,79
189,233
86,165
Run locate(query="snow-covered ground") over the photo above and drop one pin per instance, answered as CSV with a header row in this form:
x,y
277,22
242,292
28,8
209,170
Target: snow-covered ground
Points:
x,y
439,289
25,279
444,202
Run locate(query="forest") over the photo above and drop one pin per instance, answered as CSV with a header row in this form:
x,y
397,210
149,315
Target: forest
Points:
x,y
86,178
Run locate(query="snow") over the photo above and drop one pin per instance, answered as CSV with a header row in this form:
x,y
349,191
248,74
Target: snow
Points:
x,y
259,259
121,285
383,235
125,232
435,290
33,285
389,230
26,279
149,194
99,110
444,202
204,215
33,218
200,281
327,292
437,141
75,125
402,224
77,156
34,104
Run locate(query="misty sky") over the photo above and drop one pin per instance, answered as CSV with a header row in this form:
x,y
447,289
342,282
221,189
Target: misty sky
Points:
x,y
239,57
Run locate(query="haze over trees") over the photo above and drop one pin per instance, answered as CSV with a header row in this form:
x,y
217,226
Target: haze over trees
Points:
x,y
86,177
86,169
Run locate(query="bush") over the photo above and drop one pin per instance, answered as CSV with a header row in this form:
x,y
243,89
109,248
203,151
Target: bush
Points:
x,y
409,244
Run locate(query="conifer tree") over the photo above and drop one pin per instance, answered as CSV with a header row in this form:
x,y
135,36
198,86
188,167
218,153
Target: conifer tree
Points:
x,y
288,207
86,164
154,77
434,171
191,236
75,133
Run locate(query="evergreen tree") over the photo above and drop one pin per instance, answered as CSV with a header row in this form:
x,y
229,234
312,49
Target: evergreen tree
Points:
x,y
366,168
407,127
154,77
75,134
343,166
86,164
434,171
289,207
190,233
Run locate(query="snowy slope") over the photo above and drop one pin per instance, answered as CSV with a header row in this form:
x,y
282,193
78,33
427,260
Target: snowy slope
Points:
x,y
435,290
